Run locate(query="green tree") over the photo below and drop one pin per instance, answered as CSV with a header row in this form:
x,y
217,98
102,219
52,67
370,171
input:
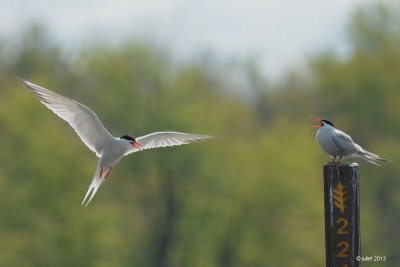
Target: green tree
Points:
x,y
253,197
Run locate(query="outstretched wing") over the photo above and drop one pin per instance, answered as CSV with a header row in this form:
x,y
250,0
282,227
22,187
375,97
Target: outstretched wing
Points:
x,y
164,139
84,121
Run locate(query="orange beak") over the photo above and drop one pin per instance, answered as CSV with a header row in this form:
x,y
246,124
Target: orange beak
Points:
x,y
319,125
137,145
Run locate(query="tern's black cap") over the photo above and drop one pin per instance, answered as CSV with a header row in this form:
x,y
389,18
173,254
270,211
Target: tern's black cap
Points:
x,y
328,122
128,137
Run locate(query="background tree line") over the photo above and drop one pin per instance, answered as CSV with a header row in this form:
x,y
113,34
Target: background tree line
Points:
x,y
251,198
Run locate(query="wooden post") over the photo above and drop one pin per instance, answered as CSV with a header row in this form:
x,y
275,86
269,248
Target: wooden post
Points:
x,y
342,215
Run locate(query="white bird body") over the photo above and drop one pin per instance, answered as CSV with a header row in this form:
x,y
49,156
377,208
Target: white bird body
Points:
x,y
109,149
335,142
339,144
114,151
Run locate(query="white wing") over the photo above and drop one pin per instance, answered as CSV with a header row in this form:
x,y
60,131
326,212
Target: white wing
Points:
x,y
164,139
84,121
344,143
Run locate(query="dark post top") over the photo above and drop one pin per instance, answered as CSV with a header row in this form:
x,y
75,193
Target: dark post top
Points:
x,y
342,215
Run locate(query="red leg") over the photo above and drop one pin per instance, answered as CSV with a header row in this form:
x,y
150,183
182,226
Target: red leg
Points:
x,y
108,172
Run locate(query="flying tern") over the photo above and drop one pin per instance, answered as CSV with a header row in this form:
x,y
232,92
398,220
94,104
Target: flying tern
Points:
x,y
339,144
108,148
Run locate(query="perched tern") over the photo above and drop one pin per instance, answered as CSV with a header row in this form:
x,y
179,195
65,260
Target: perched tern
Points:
x,y
338,144
109,149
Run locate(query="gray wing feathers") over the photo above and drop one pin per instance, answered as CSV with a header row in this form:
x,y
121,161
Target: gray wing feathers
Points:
x,y
84,121
165,139
348,148
344,143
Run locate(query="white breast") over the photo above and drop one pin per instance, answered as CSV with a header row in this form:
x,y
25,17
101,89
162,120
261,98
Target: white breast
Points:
x,y
113,152
324,139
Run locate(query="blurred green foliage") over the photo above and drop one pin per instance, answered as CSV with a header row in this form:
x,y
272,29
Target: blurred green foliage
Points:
x,y
251,198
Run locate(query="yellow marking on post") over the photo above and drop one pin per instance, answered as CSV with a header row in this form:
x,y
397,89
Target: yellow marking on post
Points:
x,y
344,247
343,228
339,197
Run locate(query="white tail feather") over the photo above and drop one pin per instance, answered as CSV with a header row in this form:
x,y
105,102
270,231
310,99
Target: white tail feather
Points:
x,y
371,157
94,185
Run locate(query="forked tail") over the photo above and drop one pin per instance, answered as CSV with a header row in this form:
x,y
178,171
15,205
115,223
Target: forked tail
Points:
x,y
98,179
371,157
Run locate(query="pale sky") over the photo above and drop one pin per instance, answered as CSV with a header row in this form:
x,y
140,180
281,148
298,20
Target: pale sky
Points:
x,y
281,34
